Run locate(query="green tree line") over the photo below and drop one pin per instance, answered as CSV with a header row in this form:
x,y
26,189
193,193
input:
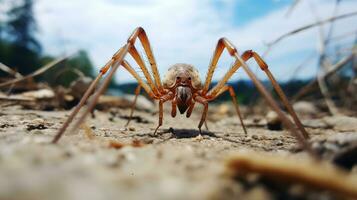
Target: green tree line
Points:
x,y
21,50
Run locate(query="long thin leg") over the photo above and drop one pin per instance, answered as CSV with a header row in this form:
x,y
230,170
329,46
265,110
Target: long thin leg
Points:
x,y
162,100
174,107
82,101
190,109
139,60
278,90
118,60
115,62
206,126
140,32
77,108
240,62
204,102
235,103
137,92
221,45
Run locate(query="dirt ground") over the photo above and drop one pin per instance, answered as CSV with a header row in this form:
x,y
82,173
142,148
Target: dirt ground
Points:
x,y
171,165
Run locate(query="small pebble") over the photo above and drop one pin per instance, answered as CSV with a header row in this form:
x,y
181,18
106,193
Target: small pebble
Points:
x,y
255,137
131,129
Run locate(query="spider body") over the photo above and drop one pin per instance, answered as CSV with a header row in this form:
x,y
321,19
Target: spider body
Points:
x,y
183,81
182,86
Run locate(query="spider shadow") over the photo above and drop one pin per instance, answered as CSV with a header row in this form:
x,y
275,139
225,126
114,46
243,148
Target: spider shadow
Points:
x,y
189,133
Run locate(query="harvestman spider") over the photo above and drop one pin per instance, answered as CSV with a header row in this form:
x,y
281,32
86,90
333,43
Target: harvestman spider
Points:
x,y
182,85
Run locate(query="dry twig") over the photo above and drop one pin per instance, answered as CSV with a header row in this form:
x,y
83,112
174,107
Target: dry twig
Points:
x,y
10,71
318,174
306,27
328,73
37,72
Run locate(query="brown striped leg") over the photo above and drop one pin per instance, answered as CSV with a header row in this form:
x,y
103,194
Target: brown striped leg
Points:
x,y
240,62
137,92
162,100
235,103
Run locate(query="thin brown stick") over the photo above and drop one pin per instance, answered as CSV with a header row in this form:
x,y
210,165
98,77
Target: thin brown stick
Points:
x,y
292,7
306,27
10,71
312,173
37,72
329,72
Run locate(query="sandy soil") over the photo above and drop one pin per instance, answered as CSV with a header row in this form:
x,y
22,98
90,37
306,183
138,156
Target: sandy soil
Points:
x,y
171,165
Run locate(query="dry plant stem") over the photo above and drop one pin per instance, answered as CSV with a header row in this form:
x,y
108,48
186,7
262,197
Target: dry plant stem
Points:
x,y
325,93
310,86
303,28
77,108
318,174
137,92
323,62
304,63
118,57
10,71
37,72
292,7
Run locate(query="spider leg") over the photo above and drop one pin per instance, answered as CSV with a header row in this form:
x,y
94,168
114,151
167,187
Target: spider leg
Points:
x,y
235,103
84,98
162,100
190,109
206,126
174,107
77,108
141,34
139,60
240,62
204,102
248,54
113,64
103,86
137,92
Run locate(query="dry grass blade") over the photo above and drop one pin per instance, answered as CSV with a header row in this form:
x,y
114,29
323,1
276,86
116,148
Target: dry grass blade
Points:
x,y
37,72
329,72
306,27
292,7
10,71
318,174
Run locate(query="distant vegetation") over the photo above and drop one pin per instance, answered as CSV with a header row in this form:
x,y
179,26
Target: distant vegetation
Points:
x,y
21,50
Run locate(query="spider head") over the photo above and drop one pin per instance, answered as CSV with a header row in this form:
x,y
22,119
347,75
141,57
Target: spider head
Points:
x,y
183,80
181,74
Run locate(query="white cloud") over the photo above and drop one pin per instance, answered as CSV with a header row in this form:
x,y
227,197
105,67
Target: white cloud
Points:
x,y
180,31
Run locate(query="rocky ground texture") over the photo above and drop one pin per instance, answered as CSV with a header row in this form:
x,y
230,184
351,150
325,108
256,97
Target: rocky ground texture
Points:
x,y
106,160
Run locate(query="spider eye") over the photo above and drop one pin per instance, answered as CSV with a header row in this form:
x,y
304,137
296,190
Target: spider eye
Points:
x,y
178,78
189,78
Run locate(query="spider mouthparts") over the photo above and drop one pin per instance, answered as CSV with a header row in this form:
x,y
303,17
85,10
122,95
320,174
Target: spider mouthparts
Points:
x,y
182,108
183,95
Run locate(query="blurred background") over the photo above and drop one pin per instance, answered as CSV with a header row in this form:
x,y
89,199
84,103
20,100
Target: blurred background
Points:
x,y
299,39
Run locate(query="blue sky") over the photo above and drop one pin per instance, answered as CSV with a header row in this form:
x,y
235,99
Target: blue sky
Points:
x,y
187,31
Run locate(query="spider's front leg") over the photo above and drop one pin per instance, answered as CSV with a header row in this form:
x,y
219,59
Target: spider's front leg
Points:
x,y
204,102
162,100
154,89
